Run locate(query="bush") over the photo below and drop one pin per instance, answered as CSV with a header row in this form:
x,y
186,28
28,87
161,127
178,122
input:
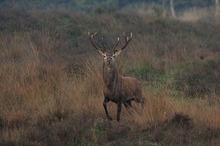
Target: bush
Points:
x,y
199,78
144,72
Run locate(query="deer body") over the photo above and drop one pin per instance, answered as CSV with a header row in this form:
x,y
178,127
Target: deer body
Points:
x,y
127,88
117,88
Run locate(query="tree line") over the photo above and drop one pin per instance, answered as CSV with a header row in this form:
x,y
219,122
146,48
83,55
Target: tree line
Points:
x,y
170,6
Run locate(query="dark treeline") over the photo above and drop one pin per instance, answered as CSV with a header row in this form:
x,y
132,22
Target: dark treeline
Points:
x,y
88,5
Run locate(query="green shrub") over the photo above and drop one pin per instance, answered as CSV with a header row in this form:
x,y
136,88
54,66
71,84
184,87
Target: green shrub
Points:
x,y
145,72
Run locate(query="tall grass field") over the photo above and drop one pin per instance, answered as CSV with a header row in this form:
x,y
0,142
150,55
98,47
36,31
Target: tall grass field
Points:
x,y
51,79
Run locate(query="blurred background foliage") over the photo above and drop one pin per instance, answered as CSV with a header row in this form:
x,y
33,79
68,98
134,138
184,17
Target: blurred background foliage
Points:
x,y
87,5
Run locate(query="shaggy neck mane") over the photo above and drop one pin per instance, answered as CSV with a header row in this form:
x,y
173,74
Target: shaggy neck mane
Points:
x,y
111,78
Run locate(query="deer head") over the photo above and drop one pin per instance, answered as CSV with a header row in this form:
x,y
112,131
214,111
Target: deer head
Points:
x,y
110,72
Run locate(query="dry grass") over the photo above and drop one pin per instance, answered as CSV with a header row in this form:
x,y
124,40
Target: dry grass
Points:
x,y
42,103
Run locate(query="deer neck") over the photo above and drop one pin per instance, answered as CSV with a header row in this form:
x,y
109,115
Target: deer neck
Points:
x,y
111,77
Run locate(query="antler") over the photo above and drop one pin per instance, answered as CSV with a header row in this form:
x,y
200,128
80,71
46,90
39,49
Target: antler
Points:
x,y
116,43
100,51
103,45
127,40
91,39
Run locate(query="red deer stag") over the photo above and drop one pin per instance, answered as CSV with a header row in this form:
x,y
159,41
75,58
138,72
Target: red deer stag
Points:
x,y
118,89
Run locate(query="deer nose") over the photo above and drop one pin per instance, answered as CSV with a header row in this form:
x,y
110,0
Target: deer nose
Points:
x,y
111,58
108,62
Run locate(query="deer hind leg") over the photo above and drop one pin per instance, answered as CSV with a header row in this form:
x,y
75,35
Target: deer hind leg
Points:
x,y
106,100
127,105
140,100
119,108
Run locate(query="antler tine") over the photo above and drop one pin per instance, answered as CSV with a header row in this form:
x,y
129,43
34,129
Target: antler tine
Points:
x,y
127,40
118,40
93,43
103,44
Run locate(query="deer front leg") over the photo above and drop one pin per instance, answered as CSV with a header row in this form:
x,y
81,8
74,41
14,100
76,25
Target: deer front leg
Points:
x,y
119,109
106,100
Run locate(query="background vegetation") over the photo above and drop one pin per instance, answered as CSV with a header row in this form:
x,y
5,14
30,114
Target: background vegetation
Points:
x,y
51,84
88,5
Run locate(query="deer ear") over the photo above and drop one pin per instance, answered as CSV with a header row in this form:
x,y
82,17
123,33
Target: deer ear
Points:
x,y
101,53
117,52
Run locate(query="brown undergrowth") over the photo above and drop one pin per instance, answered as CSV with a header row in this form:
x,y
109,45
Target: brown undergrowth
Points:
x,y
47,100
42,105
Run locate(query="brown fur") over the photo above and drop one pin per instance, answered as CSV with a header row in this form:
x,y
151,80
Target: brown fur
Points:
x,y
128,89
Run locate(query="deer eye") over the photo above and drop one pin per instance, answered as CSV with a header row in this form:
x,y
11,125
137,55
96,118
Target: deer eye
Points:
x,y
105,57
113,56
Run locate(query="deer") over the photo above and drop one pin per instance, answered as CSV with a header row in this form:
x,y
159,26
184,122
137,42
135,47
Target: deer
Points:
x,y
117,88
